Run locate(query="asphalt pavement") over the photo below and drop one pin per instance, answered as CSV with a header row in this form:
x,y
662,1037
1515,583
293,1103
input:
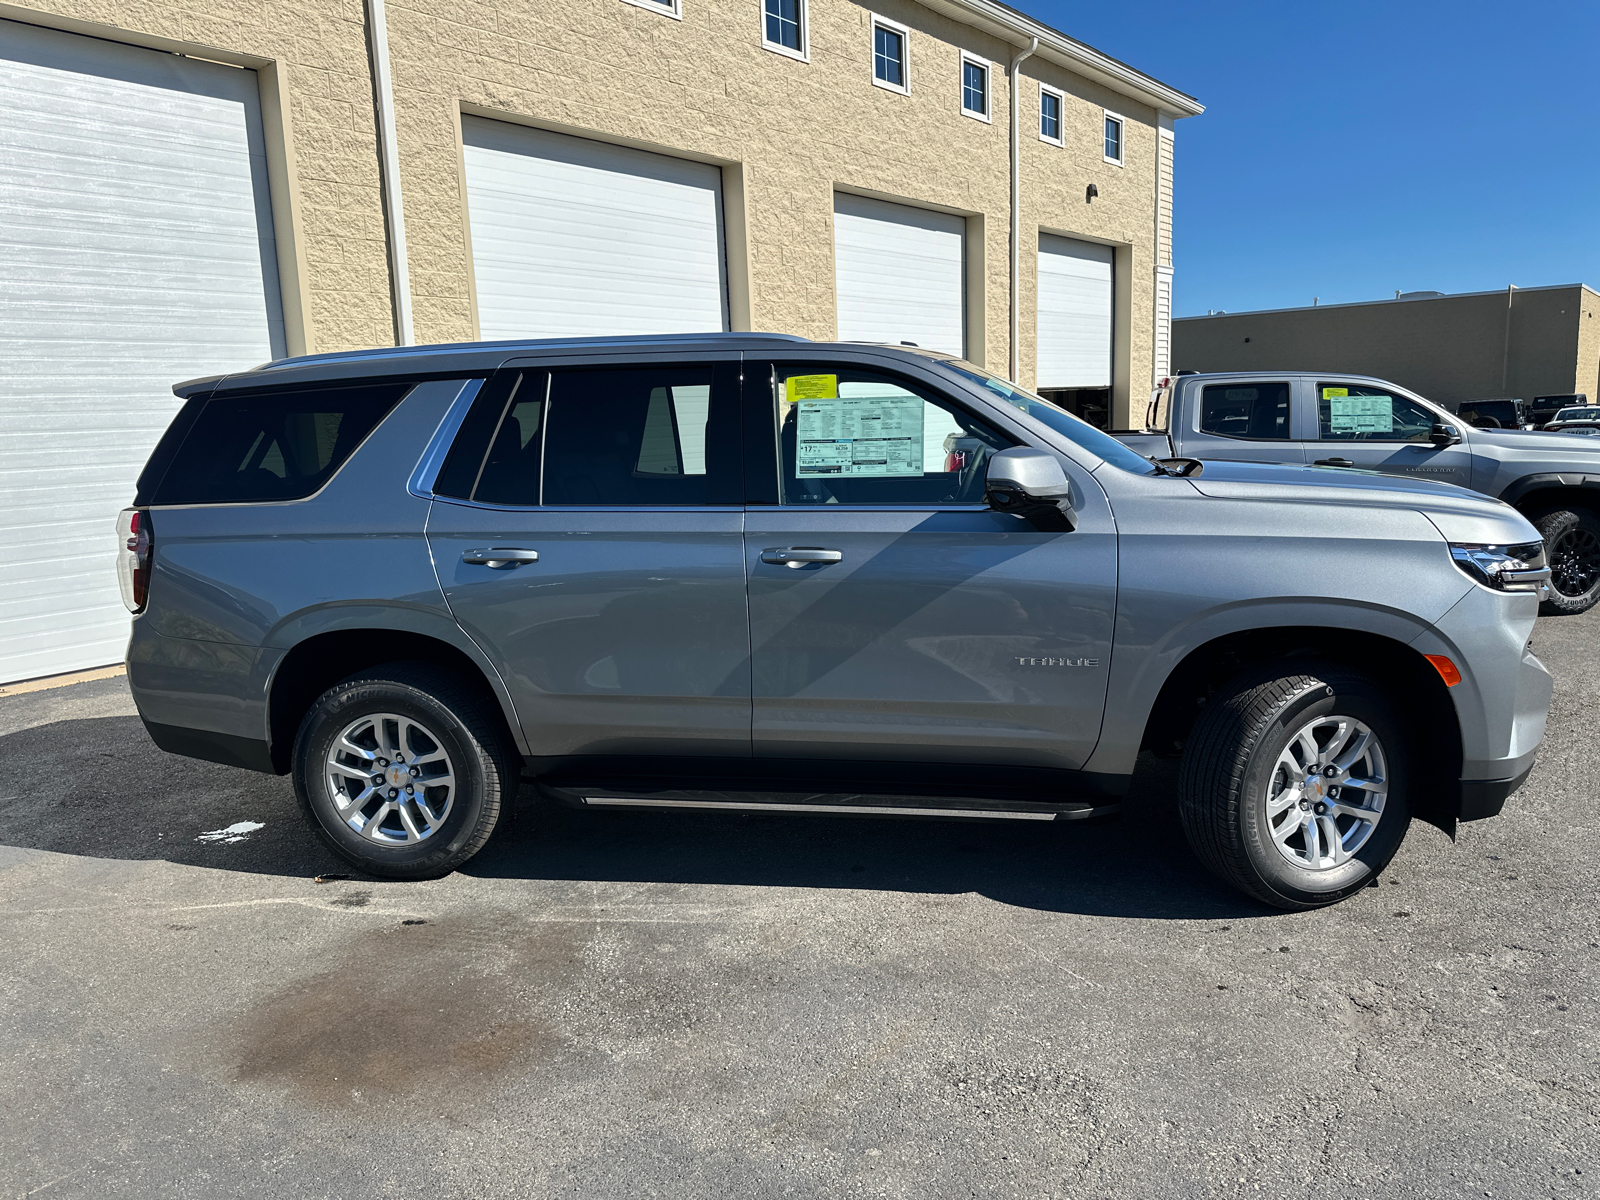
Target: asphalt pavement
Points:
x,y
641,1004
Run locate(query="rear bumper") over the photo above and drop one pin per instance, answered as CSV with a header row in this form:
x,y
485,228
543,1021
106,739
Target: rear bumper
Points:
x,y
228,749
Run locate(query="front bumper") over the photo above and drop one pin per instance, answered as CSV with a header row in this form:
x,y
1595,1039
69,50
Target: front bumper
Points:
x,y
1482,798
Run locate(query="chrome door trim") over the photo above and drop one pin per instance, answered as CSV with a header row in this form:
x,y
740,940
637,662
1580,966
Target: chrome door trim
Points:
x,y
427,471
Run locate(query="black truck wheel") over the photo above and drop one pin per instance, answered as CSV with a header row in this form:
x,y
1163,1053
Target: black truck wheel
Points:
x,y
1572,547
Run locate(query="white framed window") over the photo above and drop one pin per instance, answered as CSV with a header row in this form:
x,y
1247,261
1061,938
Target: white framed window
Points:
x,y
891,55
667,8
1114,138
974,86
1051,104
784,28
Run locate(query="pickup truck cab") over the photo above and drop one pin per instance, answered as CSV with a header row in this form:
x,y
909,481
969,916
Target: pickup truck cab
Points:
x,y
1357,422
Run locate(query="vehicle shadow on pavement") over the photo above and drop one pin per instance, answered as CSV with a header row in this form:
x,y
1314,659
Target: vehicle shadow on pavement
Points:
x,y
97,787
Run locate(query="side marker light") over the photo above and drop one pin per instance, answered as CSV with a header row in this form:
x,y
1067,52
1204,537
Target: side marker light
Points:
x,y
1446,668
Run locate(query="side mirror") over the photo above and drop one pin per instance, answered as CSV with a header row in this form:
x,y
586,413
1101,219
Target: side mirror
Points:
x,y
1031,484
1444,435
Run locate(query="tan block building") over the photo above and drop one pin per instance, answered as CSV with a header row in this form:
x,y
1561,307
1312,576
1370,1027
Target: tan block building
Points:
x,y
1517,343
200,185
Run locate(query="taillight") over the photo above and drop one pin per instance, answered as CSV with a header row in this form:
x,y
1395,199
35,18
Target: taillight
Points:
x,y
135,549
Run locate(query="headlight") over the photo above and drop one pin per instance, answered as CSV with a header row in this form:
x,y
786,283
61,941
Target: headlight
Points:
x,y
1505,568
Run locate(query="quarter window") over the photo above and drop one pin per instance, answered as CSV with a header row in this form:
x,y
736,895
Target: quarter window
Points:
x,y
1257,411
847,436
974,87
1114,138
1049,115
889,55
784,26
1349,412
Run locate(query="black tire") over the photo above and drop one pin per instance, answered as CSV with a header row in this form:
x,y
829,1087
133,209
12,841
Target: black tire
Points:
x,y
457,721
1230,764
1572,547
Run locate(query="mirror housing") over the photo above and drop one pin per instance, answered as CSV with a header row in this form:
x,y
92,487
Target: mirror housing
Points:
x,y
1444,435
1031,484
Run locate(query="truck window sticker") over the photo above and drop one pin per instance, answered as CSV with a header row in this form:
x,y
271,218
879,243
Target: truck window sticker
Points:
x,y
1359,414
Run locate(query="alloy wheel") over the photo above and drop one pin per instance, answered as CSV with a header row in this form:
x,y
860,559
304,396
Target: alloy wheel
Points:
x,y
391,779
1327,792
1575,562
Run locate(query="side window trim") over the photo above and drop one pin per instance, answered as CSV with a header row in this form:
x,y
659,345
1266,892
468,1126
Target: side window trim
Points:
x,y
432,460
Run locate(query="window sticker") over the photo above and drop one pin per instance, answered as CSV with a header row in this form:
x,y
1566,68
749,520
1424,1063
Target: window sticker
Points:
x,y
1360,414
1330,393
810,387
874,435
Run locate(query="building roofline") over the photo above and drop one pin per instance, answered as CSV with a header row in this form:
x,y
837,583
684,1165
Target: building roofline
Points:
x,y
1019,28
1258,312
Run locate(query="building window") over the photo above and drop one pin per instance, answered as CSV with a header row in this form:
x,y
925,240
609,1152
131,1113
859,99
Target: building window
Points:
x,y
1113,139
889,42
974,87
783,27
1049,115
667,8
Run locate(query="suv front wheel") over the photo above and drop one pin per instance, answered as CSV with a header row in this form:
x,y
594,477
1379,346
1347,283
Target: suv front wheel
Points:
x,y
1293,785
402,771
1572,548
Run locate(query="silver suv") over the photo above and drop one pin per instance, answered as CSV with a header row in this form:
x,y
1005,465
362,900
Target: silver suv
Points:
x,y
756,572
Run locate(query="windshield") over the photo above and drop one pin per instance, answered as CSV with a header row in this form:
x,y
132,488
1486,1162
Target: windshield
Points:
x,y
1074,429
1578,414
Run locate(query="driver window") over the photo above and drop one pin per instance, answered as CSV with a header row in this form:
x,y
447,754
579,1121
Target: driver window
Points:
x,y
1351,412
1255,411
847,436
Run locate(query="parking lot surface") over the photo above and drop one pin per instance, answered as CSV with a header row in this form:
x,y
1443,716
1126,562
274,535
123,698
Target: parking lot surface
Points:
x,y
676,1004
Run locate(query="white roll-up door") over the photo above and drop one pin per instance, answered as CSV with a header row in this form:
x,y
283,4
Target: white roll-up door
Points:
x,y
900,273
577,238
136,250
1074,313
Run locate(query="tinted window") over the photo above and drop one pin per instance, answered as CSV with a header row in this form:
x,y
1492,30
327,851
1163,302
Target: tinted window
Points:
x,y
847,436
278,446
510,473
1245,410
660,435
1349,412
1074,429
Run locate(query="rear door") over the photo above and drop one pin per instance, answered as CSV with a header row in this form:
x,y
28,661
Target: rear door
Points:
x,y
1377,428
1243,420
594,552
894,617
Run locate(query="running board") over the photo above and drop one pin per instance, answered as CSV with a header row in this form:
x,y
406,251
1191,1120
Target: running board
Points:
x,y
964,808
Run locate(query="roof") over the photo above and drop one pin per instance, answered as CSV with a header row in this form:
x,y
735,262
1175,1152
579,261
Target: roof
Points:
x,y
1019,29
1410,298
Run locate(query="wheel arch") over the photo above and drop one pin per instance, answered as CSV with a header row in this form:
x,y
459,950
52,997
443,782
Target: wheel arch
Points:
x,y
1552,490
1419,694
317,662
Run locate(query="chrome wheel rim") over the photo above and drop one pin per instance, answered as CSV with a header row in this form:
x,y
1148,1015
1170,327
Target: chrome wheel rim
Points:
x,y
1575,562
1327,793
390,779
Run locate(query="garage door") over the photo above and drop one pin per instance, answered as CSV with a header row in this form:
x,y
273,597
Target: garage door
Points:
x,y
136,250
900,273
574,238
1074,313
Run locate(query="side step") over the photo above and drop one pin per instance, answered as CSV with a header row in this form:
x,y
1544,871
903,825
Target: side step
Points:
x,y
843,803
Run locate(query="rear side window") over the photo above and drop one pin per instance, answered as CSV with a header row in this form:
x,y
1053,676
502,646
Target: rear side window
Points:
x,y
272,446
1258,411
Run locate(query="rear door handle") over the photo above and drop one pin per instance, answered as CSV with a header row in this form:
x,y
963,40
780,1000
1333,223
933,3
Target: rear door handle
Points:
x,y
1333,462
500,557
799,556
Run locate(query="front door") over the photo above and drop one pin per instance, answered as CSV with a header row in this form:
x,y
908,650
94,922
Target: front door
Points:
x,y
1375,428
594,552
893,616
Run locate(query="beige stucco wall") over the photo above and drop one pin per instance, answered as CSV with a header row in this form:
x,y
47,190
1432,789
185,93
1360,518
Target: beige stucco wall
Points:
x,y
1448,349
788,134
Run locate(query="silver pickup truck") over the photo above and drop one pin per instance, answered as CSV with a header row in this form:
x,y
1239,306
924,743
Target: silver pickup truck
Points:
x,y
1356,422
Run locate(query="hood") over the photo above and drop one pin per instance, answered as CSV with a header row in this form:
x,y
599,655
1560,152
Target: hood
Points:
x,y
1537,441
1460,515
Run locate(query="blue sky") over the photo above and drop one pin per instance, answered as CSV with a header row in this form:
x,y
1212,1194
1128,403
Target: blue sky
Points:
x,y
1351,149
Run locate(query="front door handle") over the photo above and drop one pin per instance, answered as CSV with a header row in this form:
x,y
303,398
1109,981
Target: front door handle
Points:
x,y
798,556
1333,462
500,557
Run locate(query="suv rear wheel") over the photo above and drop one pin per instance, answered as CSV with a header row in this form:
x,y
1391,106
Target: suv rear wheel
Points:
x,y
402,771
1293,785
1572,548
